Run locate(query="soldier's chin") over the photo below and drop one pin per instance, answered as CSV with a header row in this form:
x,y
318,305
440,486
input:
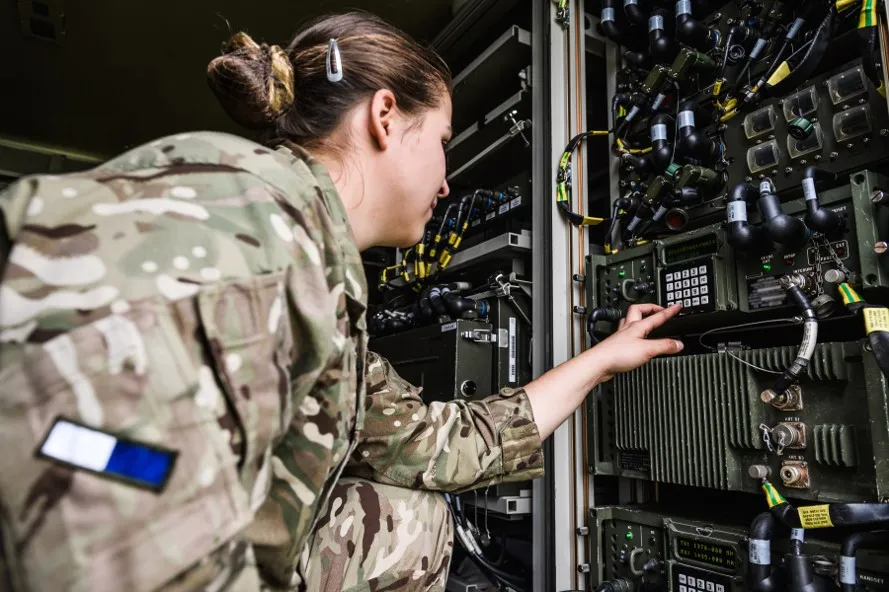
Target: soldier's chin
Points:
x,y
411,240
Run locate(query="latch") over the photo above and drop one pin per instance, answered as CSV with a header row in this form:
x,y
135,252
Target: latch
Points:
x,y
517,127
479,336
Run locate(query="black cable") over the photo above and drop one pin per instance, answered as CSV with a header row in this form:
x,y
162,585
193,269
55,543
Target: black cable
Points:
x,y
779,322
824,515
492,571
611,315
810,338
848,576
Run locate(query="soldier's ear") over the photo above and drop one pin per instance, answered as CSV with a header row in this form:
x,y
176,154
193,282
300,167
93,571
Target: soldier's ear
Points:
x,y
382,120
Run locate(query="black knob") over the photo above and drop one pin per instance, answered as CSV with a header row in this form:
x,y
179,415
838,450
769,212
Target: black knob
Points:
x,y
619,585
643,288
652,566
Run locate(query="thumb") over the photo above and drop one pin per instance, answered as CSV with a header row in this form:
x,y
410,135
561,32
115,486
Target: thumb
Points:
x,y
661,347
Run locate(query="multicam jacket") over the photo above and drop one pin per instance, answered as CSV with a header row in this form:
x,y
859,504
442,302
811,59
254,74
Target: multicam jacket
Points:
x,y
184,374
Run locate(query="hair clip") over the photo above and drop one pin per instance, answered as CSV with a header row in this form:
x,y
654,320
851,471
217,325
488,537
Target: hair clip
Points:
x,y
334,62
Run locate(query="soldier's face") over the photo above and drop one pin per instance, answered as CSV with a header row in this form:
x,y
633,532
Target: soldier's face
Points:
x,y
420,179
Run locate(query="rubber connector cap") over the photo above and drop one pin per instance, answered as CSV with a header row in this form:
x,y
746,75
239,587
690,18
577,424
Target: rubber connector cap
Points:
x,y
801,128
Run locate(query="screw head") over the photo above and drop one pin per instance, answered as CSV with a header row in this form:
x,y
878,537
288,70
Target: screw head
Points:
x,y
850,145
788,170
803,162
884,132
866,140
881,247
817,157
833,155
748,178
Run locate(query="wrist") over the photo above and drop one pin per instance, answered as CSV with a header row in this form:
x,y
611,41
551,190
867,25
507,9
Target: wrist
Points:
x,y
597,368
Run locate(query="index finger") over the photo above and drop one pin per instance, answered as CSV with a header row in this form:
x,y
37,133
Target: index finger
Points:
x,y
651,323
637,311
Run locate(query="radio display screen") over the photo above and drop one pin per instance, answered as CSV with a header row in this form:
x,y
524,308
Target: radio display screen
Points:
x,y
709,553
707,244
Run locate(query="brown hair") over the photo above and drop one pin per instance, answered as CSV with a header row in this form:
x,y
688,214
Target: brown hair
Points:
x,y
287,94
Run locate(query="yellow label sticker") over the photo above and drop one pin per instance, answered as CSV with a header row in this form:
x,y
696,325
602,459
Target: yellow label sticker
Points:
x,y
815,516
876,319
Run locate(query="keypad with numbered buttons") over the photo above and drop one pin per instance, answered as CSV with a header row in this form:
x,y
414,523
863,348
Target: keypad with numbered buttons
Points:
x,y
690,284
689,579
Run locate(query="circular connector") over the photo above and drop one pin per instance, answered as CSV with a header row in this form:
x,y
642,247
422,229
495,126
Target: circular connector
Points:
x,y
785,435
791,474
824,306
676,219
468,388
800,128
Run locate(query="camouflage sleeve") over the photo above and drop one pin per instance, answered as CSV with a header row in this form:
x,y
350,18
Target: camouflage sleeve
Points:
x,y
456,446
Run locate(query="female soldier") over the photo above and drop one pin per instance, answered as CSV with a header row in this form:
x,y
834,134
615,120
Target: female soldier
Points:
x,y
183,343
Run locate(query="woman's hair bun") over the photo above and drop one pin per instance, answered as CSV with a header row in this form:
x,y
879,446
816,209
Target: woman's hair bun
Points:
x,y
253,83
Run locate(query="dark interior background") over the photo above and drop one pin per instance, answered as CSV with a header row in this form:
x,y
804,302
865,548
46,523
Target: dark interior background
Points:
x,y
100,76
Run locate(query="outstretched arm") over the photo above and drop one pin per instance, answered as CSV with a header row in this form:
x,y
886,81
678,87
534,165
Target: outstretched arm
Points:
x,y
460,445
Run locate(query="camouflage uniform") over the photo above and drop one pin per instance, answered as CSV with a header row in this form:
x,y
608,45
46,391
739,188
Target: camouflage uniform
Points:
x,y
204,294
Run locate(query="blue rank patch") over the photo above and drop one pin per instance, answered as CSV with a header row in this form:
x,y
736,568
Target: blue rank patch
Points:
x,y
104,454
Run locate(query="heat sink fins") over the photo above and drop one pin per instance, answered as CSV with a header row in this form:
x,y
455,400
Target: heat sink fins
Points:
x,y
835,445
693,415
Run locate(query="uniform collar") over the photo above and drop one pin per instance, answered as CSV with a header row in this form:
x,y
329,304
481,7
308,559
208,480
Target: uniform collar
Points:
x,y
337,210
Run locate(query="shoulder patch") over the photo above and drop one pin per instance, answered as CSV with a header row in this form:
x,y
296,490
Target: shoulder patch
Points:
x,y
101,453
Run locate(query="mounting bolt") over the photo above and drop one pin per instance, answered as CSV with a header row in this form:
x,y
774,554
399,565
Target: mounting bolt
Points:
x,y
788,170
881,247
774,171
803,162
583,531
817,157
850,145
579,310
583,568
866,140
748,178
578,277
723,127
878,196
884,132
730,21
833,155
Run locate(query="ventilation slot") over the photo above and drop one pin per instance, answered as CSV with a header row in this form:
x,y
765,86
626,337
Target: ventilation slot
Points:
x,y
835,445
